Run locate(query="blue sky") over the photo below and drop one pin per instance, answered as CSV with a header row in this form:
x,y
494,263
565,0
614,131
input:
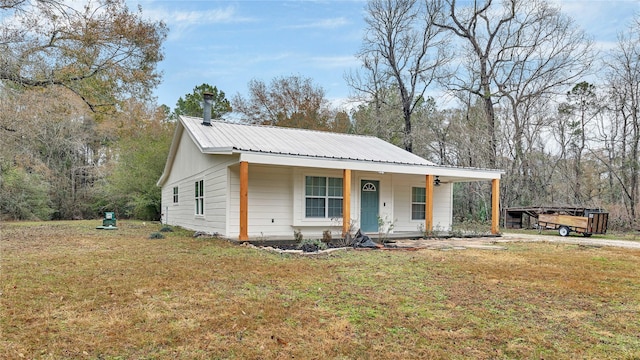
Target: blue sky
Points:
x,y
228,43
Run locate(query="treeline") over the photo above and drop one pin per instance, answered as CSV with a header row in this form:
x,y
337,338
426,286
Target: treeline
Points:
x,y
60,161
73,142
527,93
515,75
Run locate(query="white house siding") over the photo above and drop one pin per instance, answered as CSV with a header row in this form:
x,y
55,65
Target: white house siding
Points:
x,y
216,197
276,202
269,204
189,166
442,204
313,228
443,207
385,193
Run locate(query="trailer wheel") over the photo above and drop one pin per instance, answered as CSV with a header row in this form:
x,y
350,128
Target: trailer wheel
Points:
x,y
563,231
587,235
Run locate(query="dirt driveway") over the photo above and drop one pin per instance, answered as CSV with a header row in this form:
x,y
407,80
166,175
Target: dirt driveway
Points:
x,y
493,243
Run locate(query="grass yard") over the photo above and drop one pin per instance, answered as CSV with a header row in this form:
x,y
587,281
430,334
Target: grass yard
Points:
x,y
70,291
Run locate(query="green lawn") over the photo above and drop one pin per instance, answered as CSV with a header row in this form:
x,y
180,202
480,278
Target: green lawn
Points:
x,y
71,291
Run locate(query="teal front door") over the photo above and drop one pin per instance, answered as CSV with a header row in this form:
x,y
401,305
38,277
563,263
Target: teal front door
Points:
x,y
369,205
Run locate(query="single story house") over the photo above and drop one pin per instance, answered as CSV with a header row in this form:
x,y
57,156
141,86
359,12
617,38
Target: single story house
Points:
x,y
249,182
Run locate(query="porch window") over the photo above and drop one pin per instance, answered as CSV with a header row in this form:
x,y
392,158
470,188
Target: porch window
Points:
x,y
418,203
200,197
323,197
175,194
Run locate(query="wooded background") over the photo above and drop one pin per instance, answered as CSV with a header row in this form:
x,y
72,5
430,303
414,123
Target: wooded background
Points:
x,y
80,132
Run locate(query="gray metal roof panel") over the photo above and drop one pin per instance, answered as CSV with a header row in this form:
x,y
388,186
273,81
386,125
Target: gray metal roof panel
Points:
x,y
296,142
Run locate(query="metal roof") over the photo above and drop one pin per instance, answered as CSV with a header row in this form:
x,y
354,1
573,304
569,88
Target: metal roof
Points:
x,y
226,137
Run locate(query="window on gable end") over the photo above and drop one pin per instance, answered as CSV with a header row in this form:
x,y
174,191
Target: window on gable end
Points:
x,y
199,187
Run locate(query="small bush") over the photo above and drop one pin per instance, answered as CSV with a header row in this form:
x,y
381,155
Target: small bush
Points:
x,y
326,236
346,241
312,245
166,228
297,235
156,235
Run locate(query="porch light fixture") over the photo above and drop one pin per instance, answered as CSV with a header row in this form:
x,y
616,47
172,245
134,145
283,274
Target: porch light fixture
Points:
x,y
436,182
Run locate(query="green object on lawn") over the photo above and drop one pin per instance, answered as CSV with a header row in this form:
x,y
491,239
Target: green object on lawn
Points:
x,y
109,221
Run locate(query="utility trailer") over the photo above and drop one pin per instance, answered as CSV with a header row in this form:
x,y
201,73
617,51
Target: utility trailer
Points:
x,y
564,219
592,222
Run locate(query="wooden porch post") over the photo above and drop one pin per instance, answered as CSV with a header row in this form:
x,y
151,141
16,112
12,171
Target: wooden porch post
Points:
x,y
346,201
495,206
428,206
244,201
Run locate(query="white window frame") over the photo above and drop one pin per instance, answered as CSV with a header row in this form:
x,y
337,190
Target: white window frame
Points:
x,y
326,197
175,195
199,198
424,204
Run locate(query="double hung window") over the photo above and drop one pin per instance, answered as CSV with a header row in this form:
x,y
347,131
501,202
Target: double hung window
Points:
x,y
418,203
200,197
323,197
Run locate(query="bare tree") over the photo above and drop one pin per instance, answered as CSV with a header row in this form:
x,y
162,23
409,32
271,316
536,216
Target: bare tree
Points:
x,y
381,117
516,50
623,72
576,116
56,149
478,26
402,48
292,101
372,91
102,52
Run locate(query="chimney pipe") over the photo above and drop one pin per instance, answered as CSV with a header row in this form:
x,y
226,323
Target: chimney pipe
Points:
x,y
207,103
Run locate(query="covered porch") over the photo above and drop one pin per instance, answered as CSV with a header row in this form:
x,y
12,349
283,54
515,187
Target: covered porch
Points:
x,y
431,176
